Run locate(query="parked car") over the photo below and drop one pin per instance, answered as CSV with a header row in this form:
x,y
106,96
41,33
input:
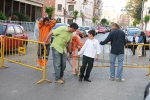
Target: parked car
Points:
x,y
93,28
56,26
87,28
15,31
148,33
81,29
102,30
108,28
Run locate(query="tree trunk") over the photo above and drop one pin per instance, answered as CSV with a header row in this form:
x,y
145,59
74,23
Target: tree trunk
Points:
x,y
145,26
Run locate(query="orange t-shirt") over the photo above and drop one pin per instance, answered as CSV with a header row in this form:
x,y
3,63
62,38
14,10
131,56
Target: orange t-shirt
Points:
x,y
44,30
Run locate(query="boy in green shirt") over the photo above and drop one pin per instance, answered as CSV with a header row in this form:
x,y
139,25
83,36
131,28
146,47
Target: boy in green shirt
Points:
x,y
62,37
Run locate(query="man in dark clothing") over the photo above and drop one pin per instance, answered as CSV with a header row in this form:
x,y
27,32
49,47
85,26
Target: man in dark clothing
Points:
x,y
117,39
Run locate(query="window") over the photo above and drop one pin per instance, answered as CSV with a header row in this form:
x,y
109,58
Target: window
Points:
x,y
59,7
70,7
10,30
70,21
2,29
18,30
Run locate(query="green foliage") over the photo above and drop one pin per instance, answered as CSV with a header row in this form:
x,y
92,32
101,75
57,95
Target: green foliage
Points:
x,y
82,16
2,16
75,14
103,21
14,18
134,8
94,20
135,22
21,16
107,22
49,10
149,11
146,18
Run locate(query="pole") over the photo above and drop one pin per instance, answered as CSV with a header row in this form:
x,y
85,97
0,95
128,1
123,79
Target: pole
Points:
x,y
65,13
142,14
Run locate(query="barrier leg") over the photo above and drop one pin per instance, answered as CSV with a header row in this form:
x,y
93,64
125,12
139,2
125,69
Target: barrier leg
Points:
x,y
44,70
2,56
148,72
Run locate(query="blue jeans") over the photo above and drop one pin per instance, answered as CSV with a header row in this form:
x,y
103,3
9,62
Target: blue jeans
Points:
x,y
59,63
120,58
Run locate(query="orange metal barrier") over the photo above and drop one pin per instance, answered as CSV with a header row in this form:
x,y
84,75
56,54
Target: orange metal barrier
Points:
x,y
23,52
130,60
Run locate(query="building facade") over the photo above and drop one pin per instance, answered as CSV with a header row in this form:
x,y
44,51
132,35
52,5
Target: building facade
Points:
x,y
84,7
32,8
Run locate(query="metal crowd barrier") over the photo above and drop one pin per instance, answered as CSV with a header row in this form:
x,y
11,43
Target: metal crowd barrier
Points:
x,y
22,52
130,60
28,26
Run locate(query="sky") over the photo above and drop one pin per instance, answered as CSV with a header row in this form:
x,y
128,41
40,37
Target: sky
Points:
x,y
114,4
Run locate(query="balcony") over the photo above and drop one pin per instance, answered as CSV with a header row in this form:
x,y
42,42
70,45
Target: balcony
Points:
x,y
85,2
71,1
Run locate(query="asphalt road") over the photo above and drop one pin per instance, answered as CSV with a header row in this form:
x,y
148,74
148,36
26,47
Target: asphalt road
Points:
x,y
18,82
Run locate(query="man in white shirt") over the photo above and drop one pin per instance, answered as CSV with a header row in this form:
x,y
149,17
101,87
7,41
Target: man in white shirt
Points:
x,y
91,50
134,41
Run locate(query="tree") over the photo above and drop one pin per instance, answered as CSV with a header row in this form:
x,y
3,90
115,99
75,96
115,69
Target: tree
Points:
x,y
94,21
82,16
2,16
135,22
103,21
146,20
134,8
49,10
75,14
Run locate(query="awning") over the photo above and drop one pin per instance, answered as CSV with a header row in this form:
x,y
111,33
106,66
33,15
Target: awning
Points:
x,y
31,2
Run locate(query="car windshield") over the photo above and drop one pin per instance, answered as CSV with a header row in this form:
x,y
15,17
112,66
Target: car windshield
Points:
x,y
86,28
80,28
2,29
58,24
131,33
102,28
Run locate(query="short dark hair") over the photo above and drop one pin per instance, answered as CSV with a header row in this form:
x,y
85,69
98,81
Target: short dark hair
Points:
x,y
45,19
115,24
92,32
19,23
74,25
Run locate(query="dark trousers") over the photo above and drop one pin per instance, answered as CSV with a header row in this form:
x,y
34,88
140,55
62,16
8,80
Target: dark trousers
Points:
x,y
89,61
133,47
41,51
143,50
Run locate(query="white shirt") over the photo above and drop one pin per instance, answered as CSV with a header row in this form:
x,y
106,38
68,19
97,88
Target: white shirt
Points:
x,y
136,39
90,48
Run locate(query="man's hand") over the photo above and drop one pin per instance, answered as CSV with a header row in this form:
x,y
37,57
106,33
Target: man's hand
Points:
x,y
96,58
43,43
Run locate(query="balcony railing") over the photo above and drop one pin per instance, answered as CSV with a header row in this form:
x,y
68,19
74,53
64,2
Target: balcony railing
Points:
x,y
71,1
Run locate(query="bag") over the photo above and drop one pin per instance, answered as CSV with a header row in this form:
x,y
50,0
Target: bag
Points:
x,y
147,90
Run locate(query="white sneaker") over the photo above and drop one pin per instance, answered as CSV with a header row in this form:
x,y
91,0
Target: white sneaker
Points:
x,y
120,80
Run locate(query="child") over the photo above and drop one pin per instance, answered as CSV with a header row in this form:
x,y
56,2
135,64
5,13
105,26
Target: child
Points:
x,y
45,25
91,50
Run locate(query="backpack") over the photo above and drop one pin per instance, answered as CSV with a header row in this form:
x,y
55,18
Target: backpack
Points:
x,y
147,90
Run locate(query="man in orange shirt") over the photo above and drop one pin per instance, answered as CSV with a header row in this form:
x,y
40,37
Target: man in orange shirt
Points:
x,y
45,25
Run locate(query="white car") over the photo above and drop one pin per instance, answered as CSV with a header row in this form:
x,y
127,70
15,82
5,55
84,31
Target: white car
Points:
x,y
87,28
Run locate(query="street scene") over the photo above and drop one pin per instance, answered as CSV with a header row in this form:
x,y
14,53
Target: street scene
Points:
x,y
74,50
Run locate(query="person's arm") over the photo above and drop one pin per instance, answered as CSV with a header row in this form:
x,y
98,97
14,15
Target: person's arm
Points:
x,y
82,49
40,24
98,51
48,36
52,23
140,39
107,39
125,41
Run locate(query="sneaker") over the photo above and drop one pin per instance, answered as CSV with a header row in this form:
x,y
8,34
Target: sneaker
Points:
x,y
63,79
59,81
112,78
120,80
42,63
